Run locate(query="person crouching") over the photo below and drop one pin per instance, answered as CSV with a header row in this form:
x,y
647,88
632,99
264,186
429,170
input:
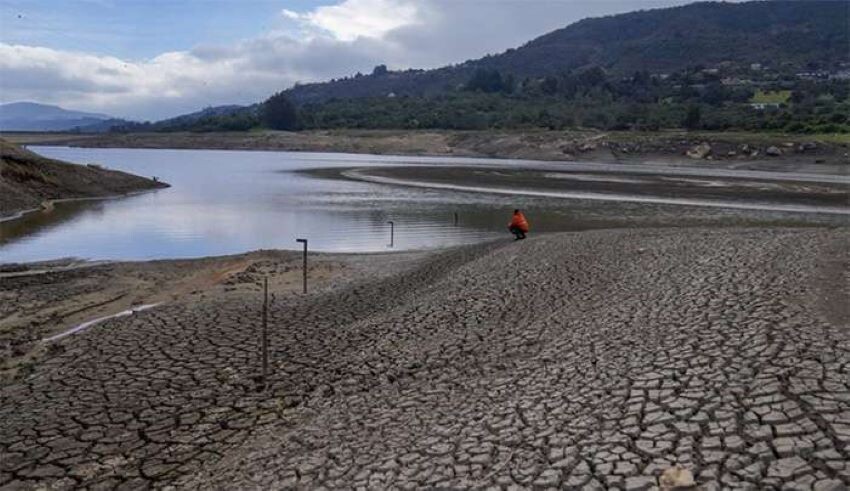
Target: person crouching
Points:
x,y
518,225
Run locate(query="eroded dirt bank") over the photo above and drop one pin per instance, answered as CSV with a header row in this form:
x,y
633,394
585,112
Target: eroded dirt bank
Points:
x,y
29,181
587,359
826,153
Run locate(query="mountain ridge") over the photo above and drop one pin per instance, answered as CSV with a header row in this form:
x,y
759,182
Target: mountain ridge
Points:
x,y
34,116
777,32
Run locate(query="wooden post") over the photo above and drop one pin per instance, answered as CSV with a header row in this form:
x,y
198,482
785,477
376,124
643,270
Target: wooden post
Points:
x,y
455,219
392,233
304,267
265,329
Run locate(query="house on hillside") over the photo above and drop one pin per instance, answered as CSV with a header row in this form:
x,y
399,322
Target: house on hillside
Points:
x,y
817,75
761,106
840,75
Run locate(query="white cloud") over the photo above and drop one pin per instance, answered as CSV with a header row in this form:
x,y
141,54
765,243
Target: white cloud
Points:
x,y
289,14
109,84
352,19
330,41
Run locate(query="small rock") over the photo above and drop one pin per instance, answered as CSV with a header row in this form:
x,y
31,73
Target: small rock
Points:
x,y
676,478
773,151
700,151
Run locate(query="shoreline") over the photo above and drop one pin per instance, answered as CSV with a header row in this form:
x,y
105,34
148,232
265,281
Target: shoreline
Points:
x,y
47,300
52,202
29,181
828,152
361,174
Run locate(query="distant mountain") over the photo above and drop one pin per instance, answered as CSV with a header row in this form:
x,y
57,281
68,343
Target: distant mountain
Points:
x,y
31,116
792,34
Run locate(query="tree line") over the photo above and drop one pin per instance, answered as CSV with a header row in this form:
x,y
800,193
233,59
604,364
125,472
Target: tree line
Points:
x,y
693,99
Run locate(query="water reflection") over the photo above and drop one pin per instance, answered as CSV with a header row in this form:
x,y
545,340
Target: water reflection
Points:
x,y
46,220
225,202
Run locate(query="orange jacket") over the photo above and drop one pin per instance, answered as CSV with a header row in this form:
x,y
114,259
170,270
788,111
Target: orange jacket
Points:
x,y
519,222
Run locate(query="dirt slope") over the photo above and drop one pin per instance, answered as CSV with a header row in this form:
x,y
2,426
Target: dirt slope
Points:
x,y
27,180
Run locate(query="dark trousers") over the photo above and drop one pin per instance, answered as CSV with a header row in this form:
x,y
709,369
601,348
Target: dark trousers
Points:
x,y
518,233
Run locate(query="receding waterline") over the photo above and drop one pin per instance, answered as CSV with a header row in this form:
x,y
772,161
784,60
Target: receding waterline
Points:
x,y
229,202
21,214
621,198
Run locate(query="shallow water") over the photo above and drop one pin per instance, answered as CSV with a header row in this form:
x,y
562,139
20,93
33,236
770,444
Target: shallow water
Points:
x,y
226,202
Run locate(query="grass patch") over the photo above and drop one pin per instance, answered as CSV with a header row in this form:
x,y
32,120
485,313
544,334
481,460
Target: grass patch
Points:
x,y
771,96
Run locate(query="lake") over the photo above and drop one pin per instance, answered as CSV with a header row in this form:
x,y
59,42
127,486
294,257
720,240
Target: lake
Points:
x,y
227,202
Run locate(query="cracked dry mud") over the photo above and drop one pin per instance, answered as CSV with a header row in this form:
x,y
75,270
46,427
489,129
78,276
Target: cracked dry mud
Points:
x,y
588,360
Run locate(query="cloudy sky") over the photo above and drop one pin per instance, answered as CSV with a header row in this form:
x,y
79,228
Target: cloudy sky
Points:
x,y
151,59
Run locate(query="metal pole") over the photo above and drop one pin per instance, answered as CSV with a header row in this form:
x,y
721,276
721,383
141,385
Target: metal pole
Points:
x,y
304,267
392,233
265,329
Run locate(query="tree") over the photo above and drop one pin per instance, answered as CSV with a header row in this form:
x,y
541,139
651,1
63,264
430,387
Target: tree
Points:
x,y
278,113
485,81
591,77
692,119
714,94
379,70
549,85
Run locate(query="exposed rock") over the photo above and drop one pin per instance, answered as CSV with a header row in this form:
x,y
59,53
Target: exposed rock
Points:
x,y
773,151
700,151
676,478
807,146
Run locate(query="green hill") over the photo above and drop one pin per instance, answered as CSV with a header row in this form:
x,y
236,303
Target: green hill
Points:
x,y
787,35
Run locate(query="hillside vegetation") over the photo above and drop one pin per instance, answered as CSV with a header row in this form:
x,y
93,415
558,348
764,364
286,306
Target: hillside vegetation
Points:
x,y
792,35
706,66
27,180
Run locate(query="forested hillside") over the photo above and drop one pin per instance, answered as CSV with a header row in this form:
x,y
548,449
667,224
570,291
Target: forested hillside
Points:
x,y
787,35
766,65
